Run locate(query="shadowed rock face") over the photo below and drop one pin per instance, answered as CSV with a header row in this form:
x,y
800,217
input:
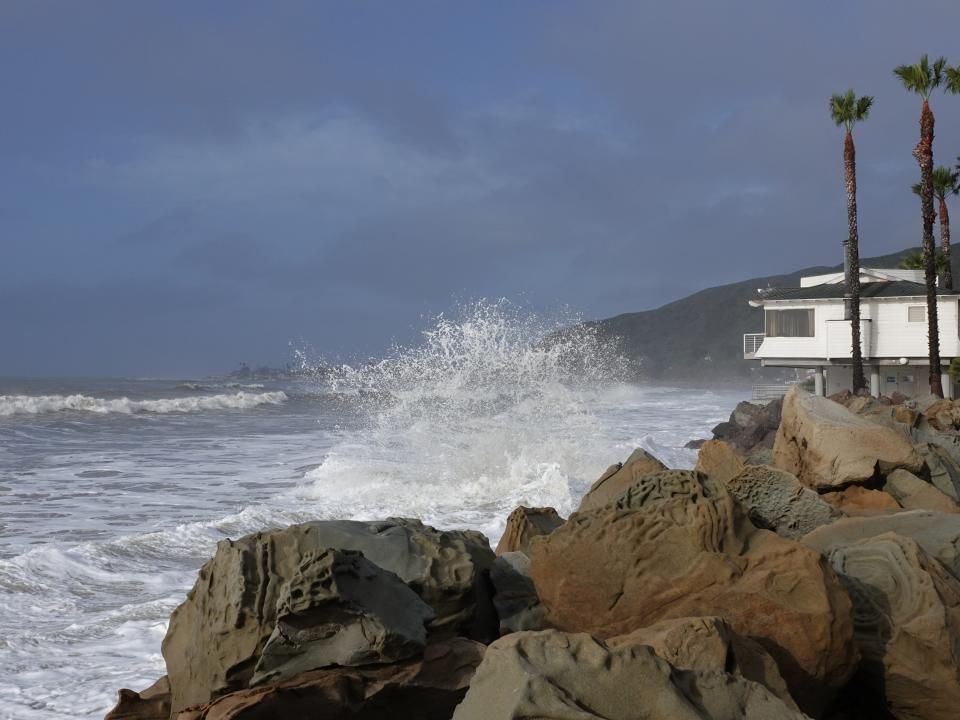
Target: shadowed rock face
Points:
x,y
426,688
515,597
709,644
550,674
618,478
524,524
776,500
244,622
677,544
150,704
907,620
828,447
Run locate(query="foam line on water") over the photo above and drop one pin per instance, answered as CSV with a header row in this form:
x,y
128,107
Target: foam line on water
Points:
x,y
38,404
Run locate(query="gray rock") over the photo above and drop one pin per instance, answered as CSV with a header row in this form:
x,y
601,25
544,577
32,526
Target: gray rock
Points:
x,y
341,609
941,463
776,500
515,597
216,637
937,533
559,676
915,493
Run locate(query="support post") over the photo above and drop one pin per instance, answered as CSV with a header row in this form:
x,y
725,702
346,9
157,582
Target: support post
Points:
x,y
818,384
875,380
947,382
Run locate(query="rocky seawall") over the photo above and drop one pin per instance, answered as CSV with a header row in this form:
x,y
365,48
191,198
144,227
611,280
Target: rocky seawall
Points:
x,y
808,567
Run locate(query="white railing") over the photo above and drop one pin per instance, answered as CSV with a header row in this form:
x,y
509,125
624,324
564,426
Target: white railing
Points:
x,y
752,343
766,393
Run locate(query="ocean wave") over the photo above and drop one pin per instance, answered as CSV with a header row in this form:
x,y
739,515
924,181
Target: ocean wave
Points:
x,y
38,404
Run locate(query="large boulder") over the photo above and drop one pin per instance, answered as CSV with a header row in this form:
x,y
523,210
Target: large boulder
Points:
x,y
216,638
515,597
243,625
425,688
677,544
914,493
907,624
937,533
776,500
551,675
828,447
525,523
719,460
618,478
751,426
942,465
709,643
150,704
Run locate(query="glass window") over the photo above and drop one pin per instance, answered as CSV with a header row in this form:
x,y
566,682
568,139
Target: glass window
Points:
x,y
916,313
789,323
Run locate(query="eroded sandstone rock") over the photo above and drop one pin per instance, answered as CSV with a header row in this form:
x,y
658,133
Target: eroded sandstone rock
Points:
x,y
828,447
776,500
619,477
914,493
424,688
525,523
907,622
150,704
858,500
719,460
555,675
677,544
937,533
709,644
217,636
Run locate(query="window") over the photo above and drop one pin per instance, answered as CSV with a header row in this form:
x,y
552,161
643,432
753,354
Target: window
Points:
x,y
789,323
916,313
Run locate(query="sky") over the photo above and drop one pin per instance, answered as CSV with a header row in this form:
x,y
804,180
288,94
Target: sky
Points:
x,y
187,185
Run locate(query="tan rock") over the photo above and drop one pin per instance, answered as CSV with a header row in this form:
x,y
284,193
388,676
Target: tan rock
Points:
x,y
943,415
618,478
776,500
827,446
150,704
525,523
719,460
677,544
426,688
709,644
914,493
907,620
858,500
937,533
551,675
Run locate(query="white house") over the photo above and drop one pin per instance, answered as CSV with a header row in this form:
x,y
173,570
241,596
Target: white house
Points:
x,y
806,327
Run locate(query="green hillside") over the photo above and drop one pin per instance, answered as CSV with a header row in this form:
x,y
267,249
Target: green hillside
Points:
x,y
701,335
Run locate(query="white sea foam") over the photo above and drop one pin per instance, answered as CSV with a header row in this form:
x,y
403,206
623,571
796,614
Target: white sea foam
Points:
x,y
37,404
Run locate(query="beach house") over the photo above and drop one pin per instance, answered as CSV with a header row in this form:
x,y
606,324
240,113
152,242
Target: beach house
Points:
x,y
808,327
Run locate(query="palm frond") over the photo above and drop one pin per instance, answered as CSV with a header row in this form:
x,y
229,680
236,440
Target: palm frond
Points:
x,y
847,110
952,80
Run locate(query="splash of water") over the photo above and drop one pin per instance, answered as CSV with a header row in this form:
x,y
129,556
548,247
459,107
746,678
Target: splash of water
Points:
x,y
490,411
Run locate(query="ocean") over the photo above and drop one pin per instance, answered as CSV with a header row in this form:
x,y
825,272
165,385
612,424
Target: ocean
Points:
x,y
114,492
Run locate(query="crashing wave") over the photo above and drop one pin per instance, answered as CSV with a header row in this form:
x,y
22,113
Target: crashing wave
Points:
x,y
38,404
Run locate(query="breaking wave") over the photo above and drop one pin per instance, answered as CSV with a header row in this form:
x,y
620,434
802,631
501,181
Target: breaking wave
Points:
x,y
37,404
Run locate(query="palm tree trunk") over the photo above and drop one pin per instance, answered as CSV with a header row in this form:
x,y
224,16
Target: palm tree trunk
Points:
x,y
853,250
945,243
923,152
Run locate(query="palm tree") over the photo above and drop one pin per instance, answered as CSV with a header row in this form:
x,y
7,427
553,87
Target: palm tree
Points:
x,y
945,182
846,111
922,79
914,261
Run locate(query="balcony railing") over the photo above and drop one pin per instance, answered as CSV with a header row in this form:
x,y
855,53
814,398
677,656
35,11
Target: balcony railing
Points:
x,y
752,343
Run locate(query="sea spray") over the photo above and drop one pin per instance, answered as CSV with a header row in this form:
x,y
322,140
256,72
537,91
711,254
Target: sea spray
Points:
x,y
36,404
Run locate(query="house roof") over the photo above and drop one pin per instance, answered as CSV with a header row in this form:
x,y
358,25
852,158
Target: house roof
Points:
x,y
898,288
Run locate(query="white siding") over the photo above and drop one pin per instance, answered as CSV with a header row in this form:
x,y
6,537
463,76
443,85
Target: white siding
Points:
x,y
888,334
